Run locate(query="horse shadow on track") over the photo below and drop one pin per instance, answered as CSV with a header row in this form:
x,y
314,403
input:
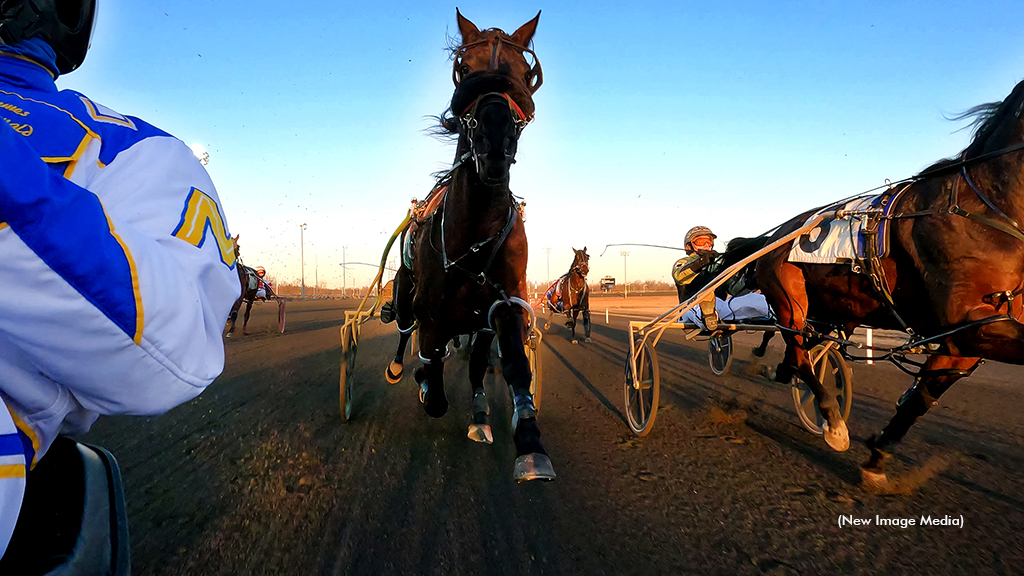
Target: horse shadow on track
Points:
x,y
608,404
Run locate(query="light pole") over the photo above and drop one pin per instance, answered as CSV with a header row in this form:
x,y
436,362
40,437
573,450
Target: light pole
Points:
x,y
625,279
302,257
344,270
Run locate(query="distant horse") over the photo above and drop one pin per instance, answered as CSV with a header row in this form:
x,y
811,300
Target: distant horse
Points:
x,y
952,278
466,266
250,282
570,295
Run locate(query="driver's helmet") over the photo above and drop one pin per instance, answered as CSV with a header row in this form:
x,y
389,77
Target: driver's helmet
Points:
x,y
66,25
696,232
261,271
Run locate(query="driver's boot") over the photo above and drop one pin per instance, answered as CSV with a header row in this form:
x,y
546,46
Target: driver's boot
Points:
x,y
710,315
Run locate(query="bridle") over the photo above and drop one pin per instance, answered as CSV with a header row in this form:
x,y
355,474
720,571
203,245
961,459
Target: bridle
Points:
x,y
534,78
470,124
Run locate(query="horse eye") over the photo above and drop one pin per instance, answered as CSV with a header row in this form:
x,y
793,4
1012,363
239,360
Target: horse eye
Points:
x,y
464,69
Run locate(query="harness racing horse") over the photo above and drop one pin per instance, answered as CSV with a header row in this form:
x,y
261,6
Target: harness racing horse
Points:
x,y
250,282
466,273
951,279
570,295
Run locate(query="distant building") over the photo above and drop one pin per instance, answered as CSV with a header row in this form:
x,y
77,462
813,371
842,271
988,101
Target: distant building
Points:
x,y
607,283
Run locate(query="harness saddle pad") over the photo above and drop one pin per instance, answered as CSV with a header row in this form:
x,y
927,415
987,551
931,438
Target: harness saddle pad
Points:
x,y
554,295
841,240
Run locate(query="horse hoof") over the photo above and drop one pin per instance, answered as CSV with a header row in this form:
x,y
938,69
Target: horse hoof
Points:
x,y
837,438
588,340
228,335
391,376
575,341
873,481
533,467
434,406
480,433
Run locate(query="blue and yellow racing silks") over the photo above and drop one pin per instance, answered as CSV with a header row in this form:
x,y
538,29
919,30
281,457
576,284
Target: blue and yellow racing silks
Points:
x,y
117,273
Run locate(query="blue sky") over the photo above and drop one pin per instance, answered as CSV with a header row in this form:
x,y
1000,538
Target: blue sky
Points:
x,y
652,118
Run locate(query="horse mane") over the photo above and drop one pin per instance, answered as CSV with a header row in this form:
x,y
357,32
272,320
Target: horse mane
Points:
x,y
984,119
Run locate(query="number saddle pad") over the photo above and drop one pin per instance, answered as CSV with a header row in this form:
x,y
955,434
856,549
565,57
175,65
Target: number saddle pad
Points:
x,y
835,241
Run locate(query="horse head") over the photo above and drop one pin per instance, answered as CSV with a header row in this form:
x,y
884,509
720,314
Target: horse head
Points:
x,y
491,127
493,99
494,51
581,262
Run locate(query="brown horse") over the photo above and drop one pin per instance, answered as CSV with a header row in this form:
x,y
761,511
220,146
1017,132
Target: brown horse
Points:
x,y
466,267
250,281
953,272
570,295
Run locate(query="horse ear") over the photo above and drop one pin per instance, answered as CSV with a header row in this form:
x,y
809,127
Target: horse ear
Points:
x,y
524,34
467,29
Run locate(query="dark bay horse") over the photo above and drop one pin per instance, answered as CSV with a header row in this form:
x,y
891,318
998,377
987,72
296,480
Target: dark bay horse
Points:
x,y
249,281
952,278
570,295
468,255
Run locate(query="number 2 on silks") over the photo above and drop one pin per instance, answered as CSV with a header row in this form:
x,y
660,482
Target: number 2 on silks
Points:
x,y
201,214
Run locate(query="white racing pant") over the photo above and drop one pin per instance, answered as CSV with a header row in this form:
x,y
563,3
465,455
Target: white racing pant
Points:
x,y
751,306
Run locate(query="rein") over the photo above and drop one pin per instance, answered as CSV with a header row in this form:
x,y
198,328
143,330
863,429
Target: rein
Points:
x,y
1008,226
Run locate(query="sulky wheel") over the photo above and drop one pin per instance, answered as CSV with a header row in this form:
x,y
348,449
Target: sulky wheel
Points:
x,y
720,353
837,378
348,363
641,391
533,355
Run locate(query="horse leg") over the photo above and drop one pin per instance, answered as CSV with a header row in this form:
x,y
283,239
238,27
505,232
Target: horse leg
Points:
x,y
402,310
479,359
788,292
547,323
233,316
393,372
572,324
937,375
765,338
586,325
532,462
248,310
999,341
431,376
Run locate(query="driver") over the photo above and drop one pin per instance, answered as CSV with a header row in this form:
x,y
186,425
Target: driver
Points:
x,y
85,194
699,244
264,289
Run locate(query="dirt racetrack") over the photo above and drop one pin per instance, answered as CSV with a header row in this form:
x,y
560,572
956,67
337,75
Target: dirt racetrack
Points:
x,y
259,476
